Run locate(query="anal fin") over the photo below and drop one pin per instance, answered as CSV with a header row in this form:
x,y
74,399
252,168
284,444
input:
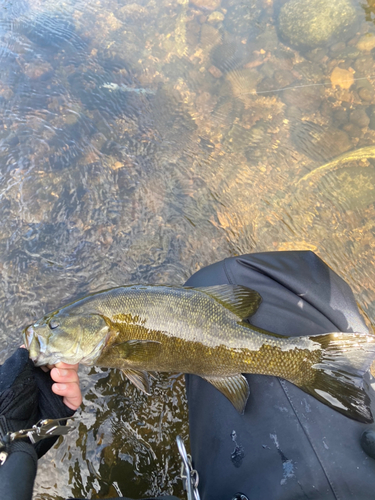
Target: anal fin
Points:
x,y
234,387
138,378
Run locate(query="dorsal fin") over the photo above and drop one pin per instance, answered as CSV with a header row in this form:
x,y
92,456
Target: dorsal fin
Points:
x,y
240,300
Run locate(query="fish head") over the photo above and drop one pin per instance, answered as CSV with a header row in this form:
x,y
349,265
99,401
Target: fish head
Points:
x,y
65,337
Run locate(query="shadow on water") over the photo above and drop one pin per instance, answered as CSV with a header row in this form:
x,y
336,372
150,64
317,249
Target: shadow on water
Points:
x,y
142,141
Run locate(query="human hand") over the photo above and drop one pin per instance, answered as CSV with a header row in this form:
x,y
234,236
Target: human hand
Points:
x,y
67,384
26,396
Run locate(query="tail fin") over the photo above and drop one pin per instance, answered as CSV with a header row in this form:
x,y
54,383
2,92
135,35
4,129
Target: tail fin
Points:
x,y
337,379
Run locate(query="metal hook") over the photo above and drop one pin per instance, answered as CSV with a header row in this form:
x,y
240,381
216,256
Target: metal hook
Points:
x,y
189,475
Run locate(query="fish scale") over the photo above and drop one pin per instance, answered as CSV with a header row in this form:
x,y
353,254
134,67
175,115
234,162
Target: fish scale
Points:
x,y
202,331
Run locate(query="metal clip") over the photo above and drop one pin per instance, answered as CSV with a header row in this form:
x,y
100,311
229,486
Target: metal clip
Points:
x,y
43,429
188,475
50,427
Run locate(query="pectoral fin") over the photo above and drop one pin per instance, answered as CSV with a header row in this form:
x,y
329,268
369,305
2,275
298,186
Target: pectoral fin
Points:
x,y
240,300
138,350
235,388
138,378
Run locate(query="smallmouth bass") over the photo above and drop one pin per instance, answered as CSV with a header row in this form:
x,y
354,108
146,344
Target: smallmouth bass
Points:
x,y
147,328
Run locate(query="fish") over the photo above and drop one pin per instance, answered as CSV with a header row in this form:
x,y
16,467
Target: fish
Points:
x,y
143,329
125,88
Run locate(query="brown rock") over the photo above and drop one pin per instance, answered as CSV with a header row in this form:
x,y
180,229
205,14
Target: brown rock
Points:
x,y
342,78
117,165
215,17
215,72
366,43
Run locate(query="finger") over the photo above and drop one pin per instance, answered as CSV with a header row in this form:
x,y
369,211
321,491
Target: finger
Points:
x,y
66,366
71,394
46,368
63,375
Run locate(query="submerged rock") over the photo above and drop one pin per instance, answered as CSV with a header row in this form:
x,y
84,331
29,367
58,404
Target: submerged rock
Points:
x,y
304,98
353,188
318,142
306,24
207,4
359,117
242,17
228,56
366,43
50,31
342,78
366,94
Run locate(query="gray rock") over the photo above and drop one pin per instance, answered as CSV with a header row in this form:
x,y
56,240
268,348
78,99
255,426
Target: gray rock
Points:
x,y
306,24
228,56
371,113
283,78
293,113
340,117
309,70
364,64
304,98
241,17
352,130
349,53
359,117
316,55
338,47
366,95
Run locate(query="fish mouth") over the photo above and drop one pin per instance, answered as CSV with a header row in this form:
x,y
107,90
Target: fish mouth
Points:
x,y
36,345
32,343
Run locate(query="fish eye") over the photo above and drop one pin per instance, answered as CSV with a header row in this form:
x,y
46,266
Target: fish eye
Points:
x,y
53,324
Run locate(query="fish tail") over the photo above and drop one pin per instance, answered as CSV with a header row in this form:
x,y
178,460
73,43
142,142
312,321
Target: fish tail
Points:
x,y
337,378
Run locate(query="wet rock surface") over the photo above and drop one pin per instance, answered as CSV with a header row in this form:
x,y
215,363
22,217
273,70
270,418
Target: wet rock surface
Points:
x,y
309,23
